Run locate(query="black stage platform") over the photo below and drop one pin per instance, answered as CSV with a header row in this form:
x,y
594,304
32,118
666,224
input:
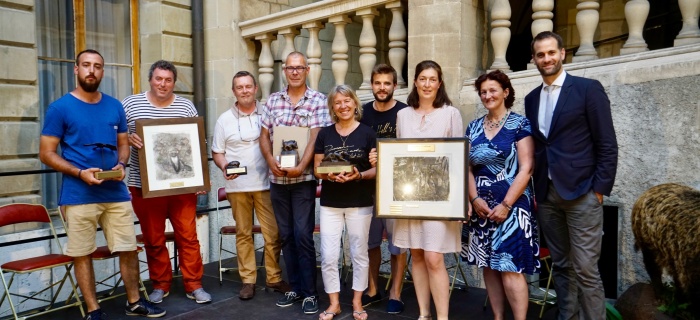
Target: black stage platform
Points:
x,y
464,303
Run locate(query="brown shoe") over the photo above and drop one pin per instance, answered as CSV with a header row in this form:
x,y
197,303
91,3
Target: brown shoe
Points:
x,y
280,286
247,292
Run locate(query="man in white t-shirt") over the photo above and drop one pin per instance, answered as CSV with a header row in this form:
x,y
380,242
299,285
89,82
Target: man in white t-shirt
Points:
x,y
236,139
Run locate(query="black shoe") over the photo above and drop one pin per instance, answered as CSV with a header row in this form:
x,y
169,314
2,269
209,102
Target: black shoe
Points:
x,y
310,305
367,300
394,306
96,315
288,299
144,308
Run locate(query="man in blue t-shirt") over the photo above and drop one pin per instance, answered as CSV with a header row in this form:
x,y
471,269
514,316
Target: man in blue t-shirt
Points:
x,y
91,129
380,115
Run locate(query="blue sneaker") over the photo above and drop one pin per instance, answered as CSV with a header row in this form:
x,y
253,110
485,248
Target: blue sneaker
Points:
x,y
310,305
394,306
96,315
144,308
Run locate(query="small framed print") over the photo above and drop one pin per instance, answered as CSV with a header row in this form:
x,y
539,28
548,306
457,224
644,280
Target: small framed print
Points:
x,y
422,178
173,159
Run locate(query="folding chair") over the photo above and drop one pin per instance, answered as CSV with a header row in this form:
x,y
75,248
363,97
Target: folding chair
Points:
x,y
230,231
457,267
169,237
102,254
548,297
19,213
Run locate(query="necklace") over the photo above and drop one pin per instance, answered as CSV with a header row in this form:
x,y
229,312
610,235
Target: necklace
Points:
x,y
493,125
344,140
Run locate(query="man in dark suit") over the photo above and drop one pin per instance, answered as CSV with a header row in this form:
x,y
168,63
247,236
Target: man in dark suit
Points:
x,y
575,165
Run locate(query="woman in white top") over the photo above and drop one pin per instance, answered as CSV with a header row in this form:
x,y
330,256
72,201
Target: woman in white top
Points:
x,y
431,116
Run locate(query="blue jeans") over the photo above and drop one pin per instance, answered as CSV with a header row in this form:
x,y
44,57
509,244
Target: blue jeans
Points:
x,y
294,206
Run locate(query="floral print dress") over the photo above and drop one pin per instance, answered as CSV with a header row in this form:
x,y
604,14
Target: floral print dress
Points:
x,y
510,246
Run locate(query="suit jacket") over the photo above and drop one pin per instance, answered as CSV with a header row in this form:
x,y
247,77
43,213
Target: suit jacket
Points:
x,y
580,152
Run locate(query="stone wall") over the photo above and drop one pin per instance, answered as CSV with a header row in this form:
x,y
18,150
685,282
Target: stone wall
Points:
x,y
450,33
656,113
19,103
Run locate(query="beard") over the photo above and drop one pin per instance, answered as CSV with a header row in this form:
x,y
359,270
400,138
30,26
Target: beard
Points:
x,y
389,96
87,86
555,70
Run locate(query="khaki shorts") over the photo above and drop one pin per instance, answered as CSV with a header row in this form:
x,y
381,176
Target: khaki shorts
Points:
x,y
116,221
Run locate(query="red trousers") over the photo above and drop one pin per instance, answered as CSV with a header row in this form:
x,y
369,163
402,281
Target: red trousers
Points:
x,y
181,210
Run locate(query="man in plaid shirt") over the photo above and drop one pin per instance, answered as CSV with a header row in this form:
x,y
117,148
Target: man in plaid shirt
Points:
x,y
293,190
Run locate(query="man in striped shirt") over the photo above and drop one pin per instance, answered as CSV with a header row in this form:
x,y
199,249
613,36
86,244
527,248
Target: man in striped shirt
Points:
x,y
158,103
293,190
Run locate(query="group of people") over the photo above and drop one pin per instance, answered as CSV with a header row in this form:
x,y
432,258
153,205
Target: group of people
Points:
x,y
546,170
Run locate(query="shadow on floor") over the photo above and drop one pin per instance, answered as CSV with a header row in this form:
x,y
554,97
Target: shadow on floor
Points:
x,y
464,303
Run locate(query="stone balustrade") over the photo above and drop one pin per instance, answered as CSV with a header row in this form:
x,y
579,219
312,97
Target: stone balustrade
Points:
x,y
587,21
317,16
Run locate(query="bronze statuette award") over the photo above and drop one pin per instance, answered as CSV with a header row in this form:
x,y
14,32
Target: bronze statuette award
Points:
x,y
335,162
234,167
289,157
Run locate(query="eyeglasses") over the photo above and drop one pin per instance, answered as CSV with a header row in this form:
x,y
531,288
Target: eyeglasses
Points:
x,y
298,69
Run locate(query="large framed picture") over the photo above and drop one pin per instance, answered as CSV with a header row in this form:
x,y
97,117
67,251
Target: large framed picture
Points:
x,y
422,178
173,159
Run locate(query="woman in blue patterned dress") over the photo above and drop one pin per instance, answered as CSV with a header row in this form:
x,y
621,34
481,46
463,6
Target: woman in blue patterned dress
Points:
x,y
502,235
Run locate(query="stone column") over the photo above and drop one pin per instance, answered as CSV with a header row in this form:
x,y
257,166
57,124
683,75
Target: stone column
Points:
x,y
457,46
313,53
636,13
368,50
586,22
288,34
20,110
690,9
340,48
500,34
397,44
541,20
266,63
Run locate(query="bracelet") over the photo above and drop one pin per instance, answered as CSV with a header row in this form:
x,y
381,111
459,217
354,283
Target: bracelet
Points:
x,y
506,205
360,176
474,199
123,164
79,172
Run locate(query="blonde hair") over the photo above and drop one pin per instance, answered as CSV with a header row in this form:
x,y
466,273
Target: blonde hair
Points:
x,y
348,92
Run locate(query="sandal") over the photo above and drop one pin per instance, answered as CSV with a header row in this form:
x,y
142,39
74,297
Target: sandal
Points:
x,y
325,313
428,317
359,315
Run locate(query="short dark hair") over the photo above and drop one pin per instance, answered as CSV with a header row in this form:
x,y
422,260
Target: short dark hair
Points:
x,y
503,80
93,51
163,65
546,35
441,98
241,74
383,69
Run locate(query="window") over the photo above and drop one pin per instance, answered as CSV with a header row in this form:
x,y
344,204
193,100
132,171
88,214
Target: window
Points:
x,y
65,28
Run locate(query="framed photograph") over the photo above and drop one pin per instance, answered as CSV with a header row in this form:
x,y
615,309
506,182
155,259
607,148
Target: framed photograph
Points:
x,y
422,178
173,159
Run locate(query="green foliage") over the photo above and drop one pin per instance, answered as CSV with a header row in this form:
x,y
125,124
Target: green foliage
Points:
x,y
674,308
611,313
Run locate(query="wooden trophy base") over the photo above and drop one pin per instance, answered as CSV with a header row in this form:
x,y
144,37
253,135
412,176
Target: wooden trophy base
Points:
x,y
335,167
101,175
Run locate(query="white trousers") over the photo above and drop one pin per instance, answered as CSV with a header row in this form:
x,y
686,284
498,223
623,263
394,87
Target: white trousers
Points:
x,y
356,221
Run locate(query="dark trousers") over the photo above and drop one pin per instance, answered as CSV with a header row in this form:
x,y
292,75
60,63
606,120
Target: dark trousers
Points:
x,y
573,230
294,206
